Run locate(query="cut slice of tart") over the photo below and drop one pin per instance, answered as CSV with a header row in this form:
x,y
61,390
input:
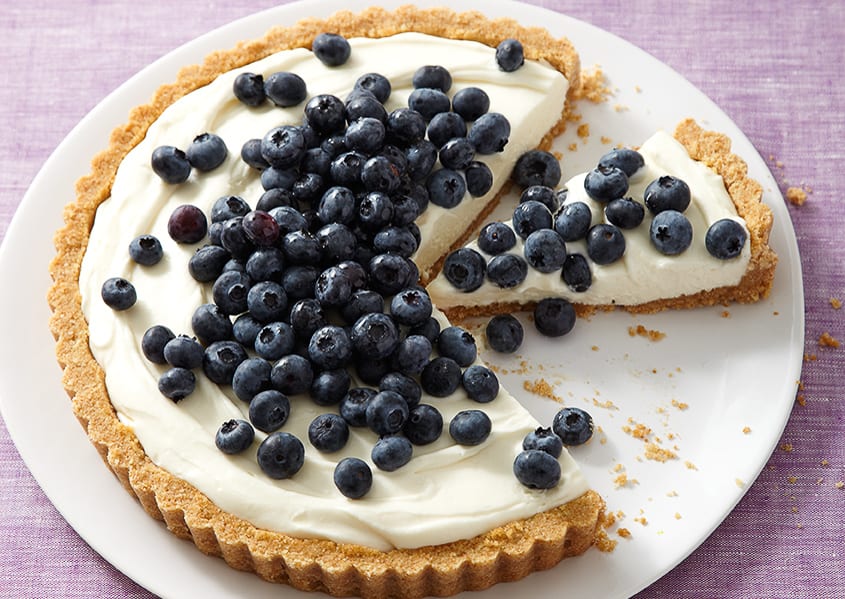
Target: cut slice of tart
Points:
x,y
455,517
602,242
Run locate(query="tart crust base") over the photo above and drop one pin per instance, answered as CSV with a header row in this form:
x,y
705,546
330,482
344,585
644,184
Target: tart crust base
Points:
x,y
506,553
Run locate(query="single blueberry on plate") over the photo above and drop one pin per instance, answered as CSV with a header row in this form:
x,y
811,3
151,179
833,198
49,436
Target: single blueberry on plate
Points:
x,y
292,375
573,221
285,89
457,343
629,161
177,383
536,167
328,433
574,426
207,151
554,316
605,183
480,383
576,273
269,410
234,436
118,293
187,224
489,133
146,250
465,269
249,89
504,333
386,413
545,250
537,469
331,49
170,164
434,77
353,477
153,342
424,425
605,243
667,193
510,55
281,455
391,453
496,237
470,427
543,439
670,232
725,239
441,377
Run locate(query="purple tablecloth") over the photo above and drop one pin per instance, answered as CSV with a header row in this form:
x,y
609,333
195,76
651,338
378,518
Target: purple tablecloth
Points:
x,y
775,68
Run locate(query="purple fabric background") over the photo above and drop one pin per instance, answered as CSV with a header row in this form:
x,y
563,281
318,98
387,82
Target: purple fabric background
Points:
x,y
775,68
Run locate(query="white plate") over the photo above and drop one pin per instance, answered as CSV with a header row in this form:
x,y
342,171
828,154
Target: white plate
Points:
x,y
734,373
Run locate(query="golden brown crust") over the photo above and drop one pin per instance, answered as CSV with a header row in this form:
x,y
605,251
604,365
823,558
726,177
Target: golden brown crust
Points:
x,y
713,149
506,553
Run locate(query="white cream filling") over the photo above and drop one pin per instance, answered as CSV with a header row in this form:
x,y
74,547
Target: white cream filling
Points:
x,y
643,274
447,492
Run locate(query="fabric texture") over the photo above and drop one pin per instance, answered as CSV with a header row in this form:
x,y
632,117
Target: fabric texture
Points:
x,y
775,68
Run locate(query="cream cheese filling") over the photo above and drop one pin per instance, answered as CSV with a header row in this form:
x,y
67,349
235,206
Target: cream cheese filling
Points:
x,y
447,492
643,274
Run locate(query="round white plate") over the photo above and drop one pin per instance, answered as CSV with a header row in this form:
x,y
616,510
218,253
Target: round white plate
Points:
x,y
735,371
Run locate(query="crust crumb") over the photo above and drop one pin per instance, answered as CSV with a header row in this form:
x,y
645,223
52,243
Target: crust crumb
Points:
x,y
801,400
746,430
650,334
593,87
792,479
658,454
839,484
681,405
690,465
787,447
836,303
796,196
827,340
542,388
624,533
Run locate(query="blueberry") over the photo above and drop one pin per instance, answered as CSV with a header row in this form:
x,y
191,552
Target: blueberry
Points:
x,y
260,228
537,469
285,89
573,221
465,269
330,347
389,273
328,433
250,378
429,102
375,211
177,383
411,306
245,329
337,243
353,478
226,207
375,83
292,375
365,135
457,154
210,323
574,426
531,216
375,335
275,340
386,413
380,174
153,342
249,89
346,168
412,354
404,385
554,317
496,238
605,244
446,126
391,453
479,178
221,359
605,183
457,343
670,232
278,178
308,188
543,439
424,425
504,333
576,273
289,219
364,104
440,377
629,161
146,250
269,410
429,329
470,427
489,133
480,383
510,55
536,167
370,371
207,151
316,160
364,301
234,436
405,126
118,293
667,193
187,224
184,352
230,291
543,194
207,263
283,147
265,264
422,157
725,239
301,248
471,103
170,164
545,251
353,406
331,49
306,316
251,154
234,238
281,455
395,240
333,288
433,76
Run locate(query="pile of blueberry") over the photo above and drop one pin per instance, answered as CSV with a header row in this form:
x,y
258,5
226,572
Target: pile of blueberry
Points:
x,y
316,281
